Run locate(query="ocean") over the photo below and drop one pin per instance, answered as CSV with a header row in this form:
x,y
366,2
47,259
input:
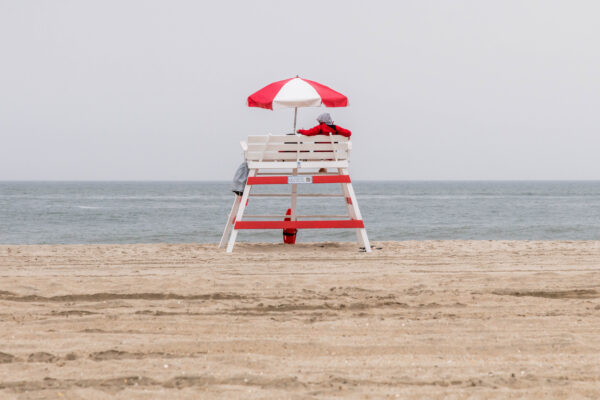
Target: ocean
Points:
x,y
178,212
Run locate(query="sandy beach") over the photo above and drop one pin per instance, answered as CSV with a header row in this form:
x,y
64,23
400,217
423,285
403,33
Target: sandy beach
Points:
x,y
431,319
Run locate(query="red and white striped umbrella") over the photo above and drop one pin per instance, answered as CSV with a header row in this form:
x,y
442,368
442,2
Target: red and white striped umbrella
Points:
x,y
296,92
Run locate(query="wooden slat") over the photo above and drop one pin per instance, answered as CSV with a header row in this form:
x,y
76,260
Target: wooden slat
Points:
x,y
294,138
275,155
300,224
297,147
290,164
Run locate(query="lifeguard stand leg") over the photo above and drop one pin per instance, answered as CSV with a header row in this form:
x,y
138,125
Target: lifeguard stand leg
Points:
x,y
294,196
349,208
240,212
230,219
361,232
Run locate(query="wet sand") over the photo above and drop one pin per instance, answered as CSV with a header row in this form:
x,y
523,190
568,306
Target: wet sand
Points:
x,y
433,319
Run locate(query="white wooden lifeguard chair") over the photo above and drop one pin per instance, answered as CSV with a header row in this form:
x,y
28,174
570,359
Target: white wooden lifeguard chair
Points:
x,y
292,160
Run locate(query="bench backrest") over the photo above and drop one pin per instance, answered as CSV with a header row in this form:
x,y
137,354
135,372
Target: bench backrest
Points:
x,y
296,148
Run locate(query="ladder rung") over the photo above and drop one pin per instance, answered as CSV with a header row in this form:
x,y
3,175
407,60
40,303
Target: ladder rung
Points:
x,y
297,216
322,216
344,224
298,195
264,216
284,180
299,173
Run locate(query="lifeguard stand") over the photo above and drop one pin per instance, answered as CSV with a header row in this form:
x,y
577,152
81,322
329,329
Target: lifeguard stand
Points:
x,y
293,160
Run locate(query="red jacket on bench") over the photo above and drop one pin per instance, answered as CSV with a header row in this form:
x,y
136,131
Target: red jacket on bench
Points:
x,y
324,129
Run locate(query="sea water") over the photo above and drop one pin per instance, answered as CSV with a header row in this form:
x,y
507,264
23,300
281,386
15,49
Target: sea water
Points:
x,y
175,212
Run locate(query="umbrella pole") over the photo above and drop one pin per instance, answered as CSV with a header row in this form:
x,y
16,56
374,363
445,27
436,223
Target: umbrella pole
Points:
x,y
295,116
295,172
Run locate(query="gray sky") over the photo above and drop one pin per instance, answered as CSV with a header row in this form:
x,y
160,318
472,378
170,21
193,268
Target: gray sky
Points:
x,y
156,90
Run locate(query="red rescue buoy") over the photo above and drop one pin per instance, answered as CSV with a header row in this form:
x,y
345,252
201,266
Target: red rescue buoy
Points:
x,y
289,234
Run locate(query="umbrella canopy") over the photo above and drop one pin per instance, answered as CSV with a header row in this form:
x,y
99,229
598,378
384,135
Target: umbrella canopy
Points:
x,y
294,93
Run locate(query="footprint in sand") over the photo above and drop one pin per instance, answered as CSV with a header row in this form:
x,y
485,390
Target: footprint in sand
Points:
x,y
42,357
6,358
